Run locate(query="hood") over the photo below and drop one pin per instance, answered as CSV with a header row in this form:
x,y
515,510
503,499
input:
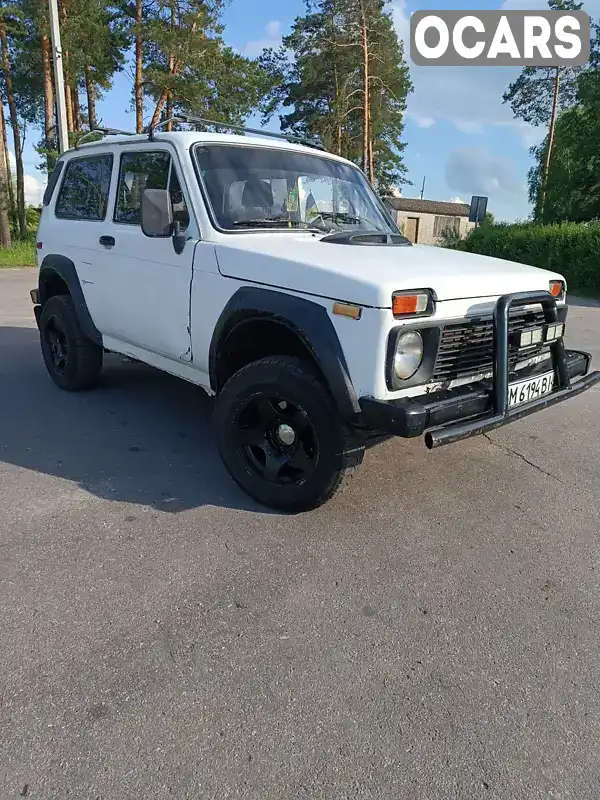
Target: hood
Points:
x,y
367,275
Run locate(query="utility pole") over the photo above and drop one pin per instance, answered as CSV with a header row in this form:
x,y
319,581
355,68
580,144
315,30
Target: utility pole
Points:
x,y
423,187
59,81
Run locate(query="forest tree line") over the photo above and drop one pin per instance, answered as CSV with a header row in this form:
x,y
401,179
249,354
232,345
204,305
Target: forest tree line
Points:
x,y
564,181
339,75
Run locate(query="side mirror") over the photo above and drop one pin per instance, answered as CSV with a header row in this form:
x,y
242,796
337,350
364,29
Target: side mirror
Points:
x,y
157,213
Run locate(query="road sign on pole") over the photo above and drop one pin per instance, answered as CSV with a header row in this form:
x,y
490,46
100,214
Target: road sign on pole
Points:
x,y
478,209
59,82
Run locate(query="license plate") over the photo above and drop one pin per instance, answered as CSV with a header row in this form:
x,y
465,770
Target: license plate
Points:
x,y
526,391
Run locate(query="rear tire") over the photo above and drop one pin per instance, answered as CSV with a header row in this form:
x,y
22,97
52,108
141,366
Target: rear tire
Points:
x,y
281,437
73,362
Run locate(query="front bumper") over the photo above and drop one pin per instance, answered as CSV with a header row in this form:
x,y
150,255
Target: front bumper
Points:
x,y
450,415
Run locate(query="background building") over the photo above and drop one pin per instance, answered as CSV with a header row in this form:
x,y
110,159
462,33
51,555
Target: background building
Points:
x,y
426,221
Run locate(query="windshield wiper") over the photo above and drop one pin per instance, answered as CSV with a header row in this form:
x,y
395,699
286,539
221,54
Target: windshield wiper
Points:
x,y
274,222
348,219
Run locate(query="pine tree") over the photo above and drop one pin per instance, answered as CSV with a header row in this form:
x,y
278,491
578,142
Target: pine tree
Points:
x,y
319,86
134,16
94,40
9,196
188,68
570,183
139,68
5,180
386,86
347,84
34,75
539,93
94,43
11,29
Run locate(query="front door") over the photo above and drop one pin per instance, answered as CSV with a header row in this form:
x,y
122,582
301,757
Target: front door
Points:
x,y
411,230
141,285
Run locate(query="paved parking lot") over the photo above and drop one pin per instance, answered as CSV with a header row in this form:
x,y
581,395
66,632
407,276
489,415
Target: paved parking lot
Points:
x,y
433,634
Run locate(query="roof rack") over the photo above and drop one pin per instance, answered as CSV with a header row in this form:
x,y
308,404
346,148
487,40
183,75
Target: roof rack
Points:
x,y
238,128
104,132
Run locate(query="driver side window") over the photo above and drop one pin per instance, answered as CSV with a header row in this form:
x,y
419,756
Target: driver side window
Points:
x,y
147,170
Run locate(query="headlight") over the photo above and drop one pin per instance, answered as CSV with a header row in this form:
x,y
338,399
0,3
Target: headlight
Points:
x,y
409,354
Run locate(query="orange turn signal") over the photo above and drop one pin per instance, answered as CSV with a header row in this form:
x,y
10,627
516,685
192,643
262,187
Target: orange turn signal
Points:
x,y
556,288
347,310
409,304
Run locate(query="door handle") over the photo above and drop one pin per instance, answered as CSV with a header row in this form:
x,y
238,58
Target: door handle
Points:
x,y
107,241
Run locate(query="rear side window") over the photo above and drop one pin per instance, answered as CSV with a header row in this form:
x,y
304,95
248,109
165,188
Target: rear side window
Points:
x,y
52,181
85,187
147,170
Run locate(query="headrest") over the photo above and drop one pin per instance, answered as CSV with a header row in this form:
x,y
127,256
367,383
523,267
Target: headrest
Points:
x,y
257,194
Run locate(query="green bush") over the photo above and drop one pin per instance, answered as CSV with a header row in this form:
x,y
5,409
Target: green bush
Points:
x,y
571,248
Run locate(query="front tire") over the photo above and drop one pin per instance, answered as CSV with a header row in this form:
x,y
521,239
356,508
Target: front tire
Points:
x,y
280,436
73,362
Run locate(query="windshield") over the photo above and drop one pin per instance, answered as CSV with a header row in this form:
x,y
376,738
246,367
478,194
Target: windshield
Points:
x,y
260,187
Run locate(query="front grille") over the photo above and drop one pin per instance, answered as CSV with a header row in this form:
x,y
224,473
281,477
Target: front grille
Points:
x,y
467,348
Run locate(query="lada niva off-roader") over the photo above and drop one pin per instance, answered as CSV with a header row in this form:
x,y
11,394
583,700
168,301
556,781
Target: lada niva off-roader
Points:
x,y
270,274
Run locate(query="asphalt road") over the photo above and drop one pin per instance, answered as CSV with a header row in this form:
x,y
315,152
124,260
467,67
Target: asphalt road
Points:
x,y
432,634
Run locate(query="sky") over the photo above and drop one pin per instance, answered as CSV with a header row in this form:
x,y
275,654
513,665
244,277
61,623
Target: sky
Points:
x,y
459,135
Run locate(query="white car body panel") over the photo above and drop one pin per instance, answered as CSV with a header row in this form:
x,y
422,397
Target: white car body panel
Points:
x,y
369,275
143,273
162,308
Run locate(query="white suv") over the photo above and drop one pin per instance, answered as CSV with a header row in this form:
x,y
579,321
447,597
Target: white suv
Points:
x,y
270,274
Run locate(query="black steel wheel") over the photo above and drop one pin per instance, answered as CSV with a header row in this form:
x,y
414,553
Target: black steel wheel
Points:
x,y
73,362
280,436
278,439
56,341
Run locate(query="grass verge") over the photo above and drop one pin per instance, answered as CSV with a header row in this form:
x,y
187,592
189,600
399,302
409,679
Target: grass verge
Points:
x,y
21,254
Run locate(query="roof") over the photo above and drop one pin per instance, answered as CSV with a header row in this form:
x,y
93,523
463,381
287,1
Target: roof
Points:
x,y
427,206
186,138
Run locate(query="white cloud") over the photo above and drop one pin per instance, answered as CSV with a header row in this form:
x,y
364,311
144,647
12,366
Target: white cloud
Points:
x,y
273,29
474,170
422,122
272,38
456,200
470,126
34,187
34,190
518,5
591,6
470,98
530,134
401,21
